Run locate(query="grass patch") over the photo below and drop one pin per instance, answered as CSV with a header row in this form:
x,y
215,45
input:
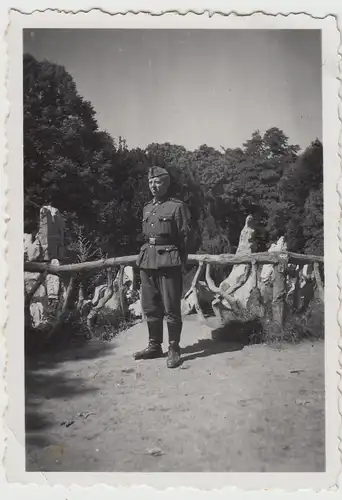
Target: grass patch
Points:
x,y
297,327
74,331
109,323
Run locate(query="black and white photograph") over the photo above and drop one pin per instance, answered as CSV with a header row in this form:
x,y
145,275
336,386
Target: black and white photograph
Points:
x,y
174,242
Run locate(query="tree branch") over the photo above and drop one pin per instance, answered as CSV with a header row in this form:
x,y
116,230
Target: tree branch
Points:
x,y
123,302
40,280
195,279
224,295
193,289
65,307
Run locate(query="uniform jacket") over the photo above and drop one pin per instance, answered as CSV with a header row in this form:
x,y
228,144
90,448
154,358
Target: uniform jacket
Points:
x,y
167,220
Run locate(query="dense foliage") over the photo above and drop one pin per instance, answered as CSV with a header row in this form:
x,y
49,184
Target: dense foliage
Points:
x,y
101,185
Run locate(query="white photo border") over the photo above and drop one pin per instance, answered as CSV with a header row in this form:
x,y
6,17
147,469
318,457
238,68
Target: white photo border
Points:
x,y
15,453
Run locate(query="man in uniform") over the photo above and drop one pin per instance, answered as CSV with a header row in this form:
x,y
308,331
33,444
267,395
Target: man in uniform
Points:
x,y
166,231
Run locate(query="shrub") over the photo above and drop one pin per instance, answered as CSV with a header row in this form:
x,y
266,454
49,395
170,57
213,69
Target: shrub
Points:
x,y
109,323
297,327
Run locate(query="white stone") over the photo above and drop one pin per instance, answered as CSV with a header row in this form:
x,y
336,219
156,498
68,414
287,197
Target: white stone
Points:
x,y
247,237
135,309
114,302
32,249
51,233
128,274
98,294
246,246
266,274
37,314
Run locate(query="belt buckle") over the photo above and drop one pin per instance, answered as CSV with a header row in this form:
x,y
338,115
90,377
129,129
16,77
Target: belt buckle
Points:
x,y
152,241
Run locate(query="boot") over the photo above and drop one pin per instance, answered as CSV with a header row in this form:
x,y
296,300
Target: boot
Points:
x,y
154,349
173,358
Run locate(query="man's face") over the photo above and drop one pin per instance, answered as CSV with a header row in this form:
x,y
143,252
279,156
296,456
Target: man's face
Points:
x,y
159,186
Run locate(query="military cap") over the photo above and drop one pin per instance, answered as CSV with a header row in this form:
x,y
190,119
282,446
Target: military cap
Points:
x,y
157,172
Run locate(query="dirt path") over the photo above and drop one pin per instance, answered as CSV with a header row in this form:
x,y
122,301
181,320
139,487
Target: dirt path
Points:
x,y
225,409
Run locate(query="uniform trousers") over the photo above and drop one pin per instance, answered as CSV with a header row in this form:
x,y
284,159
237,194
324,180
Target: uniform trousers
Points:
x,y
161,293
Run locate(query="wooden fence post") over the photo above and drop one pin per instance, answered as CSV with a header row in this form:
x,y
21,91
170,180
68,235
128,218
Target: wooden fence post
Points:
x,y
296,292
134,282
194,291
122,296
279,290
65,307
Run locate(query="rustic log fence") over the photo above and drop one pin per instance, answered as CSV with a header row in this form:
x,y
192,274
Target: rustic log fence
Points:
x,y
278,260
220,260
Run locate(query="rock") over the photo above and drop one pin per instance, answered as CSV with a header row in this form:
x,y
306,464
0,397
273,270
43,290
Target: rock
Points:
x,y
114,302
246,246
51,233
68,423
247,237
302,402
98,294
37,314
32,249
128,282
241,286
205,297
135,309
48,245
155,452
49,241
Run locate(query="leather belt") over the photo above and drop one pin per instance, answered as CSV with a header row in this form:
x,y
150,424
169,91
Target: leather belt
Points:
x,y
159,240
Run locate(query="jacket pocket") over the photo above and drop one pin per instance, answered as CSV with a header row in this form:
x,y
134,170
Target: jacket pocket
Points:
x,y
165,224
168,257
141,256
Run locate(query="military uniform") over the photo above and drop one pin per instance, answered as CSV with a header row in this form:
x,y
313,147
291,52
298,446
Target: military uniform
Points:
x,y
166,230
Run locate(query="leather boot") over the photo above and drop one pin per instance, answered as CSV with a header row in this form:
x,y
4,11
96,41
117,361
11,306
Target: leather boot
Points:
x,y
173,358
154,349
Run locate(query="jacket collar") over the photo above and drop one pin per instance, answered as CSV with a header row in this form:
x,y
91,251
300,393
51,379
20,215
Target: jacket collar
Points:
x,y
160,201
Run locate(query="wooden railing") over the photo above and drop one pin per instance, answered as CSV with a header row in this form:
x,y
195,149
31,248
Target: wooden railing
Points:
x,y
220,260
279,261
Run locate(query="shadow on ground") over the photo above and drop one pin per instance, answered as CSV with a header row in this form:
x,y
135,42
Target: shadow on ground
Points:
x,y
45,379
208,347
224,338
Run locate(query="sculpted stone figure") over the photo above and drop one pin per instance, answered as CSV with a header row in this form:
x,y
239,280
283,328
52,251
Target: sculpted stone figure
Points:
x,y
239,292
48,245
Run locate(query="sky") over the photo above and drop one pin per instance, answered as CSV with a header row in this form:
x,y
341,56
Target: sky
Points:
x,y
192,87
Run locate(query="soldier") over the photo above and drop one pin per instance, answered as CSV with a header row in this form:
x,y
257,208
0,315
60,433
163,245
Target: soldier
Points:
x,y
166,231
